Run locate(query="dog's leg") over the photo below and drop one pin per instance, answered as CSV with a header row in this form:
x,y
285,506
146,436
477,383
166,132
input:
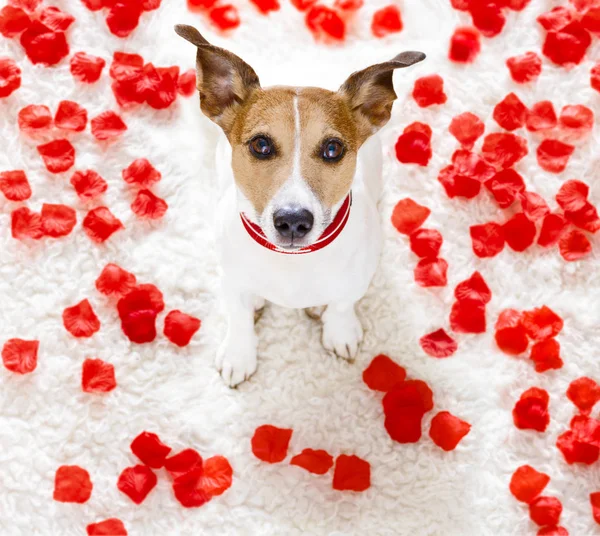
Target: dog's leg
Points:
x,y
236,358
342,331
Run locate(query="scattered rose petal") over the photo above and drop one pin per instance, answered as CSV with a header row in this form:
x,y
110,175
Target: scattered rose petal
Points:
x,y
225,17
468,316
25,224
108,527
97,376
510,113
595,502
270,444
180,327
138,310
576,450
464,45
572,195
576,121
57,220
552,229
431,272
555,19
438,344
408,216
188,491
510,335
100,223
107,125
574,245
426,242
13,21
114,281
58,155
531,410
44,45
34,118
584,393
447,430
526,483
266,6
123,18
474,289
466,128
519,232
183,462
137,482
546,355
14,185
487,239
72,484
80,320
545,511
10,77
383,373
487,18
147,205
413,148
503,150
55,19
324,21
351,473
585,218
429,90
568,45
534,206
20,356
506,186
541,117
317,462
595,77
150,450
524,68
542,323
70,116
141,172
186,83
217,476
88,184
553,155
386,20
86,68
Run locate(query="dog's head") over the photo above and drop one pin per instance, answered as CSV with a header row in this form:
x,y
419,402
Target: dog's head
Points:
x,y
293,149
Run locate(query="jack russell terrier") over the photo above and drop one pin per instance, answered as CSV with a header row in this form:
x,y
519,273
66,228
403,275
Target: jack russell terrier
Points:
x,y
300,171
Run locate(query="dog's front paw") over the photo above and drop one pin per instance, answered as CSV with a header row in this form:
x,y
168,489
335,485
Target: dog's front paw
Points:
x,y
236,365
342,333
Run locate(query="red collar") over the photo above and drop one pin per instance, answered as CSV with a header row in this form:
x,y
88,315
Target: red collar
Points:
x,y
328,236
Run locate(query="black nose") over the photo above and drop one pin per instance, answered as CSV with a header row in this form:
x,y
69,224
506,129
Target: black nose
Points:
x,y
293,222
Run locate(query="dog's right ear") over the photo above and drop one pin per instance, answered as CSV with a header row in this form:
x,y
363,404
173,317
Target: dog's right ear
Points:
x,y
224,80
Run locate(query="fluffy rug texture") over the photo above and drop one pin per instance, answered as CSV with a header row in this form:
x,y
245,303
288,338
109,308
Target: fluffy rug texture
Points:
x,y
417,489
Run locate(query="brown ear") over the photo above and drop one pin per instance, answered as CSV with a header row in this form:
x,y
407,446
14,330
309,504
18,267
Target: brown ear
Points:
x,y
370,92
224,80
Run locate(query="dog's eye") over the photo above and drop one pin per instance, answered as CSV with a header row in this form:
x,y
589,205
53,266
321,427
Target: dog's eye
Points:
x,y
261,147
332,150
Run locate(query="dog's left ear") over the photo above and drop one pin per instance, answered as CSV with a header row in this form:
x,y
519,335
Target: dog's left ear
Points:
x,y
370,92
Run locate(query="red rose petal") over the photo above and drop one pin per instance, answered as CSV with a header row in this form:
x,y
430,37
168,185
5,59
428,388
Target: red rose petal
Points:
x,y
141,172
429,90
164,91
553,155
503,150
542,323
317,462
300,5
464,45
324,21
413,148
270,444
351,474
20,356
555,19
468,316
137,482
138,310
545,511
150,450
80,320
44,45
108,527
526,483
541,116
151,5
585,218
510,335
475,289
575,450
426,242
404,427
460,5
568,45
487,239
100,223
57,220
431,272
586,429
114,281
386,20
34,118
14,185
147,205
412,396
576,121
88,184
595,77
472,165
186,83
122,19
546,355
506,186
519,232
225,17
584,393
466,128
180,327
107,125
183,462
408,216
93,5
531,410
382,374
572,195
447,430
126,66
266,6
188,491
595,502
13,21
487,18
86,68
438,344
524,68
55,19
26,224
58,155
10,77
348,5
574,245
97,376
510,112
70,116
534,206
417,126
72,484
217,476
457,185
27,5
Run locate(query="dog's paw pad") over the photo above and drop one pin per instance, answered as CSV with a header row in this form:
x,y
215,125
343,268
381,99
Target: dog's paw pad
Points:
x,y
342,334
235,366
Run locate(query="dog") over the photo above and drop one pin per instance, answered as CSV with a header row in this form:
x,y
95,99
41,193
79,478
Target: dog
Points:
x,y
300,174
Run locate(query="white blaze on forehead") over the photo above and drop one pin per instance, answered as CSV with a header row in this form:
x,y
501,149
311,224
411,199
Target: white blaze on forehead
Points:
x,y
296,169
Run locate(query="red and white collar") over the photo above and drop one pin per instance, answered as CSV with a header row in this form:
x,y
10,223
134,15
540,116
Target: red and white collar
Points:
x,y
329,235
